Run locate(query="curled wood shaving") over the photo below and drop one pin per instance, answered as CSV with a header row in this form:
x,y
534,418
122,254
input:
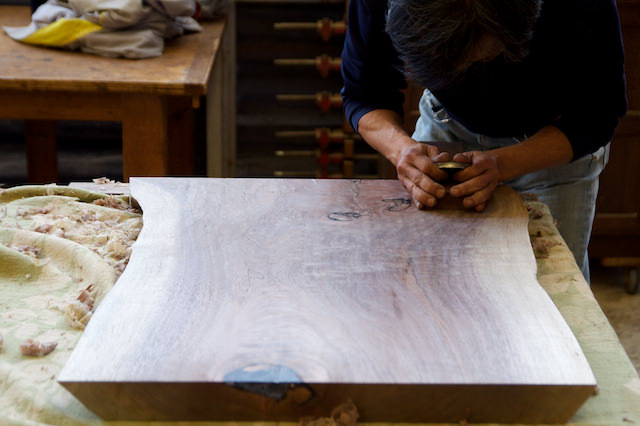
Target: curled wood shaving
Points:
x,y
79,312
1,341
34,348
86,297
117,247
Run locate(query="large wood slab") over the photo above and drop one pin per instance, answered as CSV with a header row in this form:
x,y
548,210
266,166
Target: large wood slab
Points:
x,y
273,299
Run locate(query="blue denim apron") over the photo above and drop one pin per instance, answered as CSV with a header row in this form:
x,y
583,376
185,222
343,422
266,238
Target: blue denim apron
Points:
x,y
569,190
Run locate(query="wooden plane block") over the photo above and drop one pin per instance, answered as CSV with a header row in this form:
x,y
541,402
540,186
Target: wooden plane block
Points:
x,y
267,299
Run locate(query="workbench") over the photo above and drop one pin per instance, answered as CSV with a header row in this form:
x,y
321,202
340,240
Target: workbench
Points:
x,y
41,399
153,98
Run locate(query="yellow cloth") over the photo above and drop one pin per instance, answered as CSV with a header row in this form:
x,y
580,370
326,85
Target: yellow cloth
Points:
x,y
62,32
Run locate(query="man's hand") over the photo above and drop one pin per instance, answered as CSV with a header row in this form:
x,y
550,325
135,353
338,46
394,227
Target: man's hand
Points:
x,y
418,173
383,130
479,180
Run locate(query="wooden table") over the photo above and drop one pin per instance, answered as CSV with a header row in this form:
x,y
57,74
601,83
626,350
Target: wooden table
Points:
x,y
153,98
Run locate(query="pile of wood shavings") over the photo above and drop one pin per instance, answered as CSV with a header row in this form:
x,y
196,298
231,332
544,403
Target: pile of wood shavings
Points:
x,y
541,242
108,226
103,231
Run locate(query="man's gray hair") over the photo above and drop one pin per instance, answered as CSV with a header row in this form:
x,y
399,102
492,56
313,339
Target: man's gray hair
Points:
x,y
434,37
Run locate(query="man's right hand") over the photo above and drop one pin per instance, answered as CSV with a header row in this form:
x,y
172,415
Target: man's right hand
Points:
x,y
383,130
418,173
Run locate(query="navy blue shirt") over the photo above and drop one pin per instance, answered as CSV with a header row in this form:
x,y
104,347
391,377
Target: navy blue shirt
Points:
x,y
573,76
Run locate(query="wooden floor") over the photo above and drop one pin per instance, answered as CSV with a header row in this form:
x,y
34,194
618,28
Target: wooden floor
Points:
x,y
82,160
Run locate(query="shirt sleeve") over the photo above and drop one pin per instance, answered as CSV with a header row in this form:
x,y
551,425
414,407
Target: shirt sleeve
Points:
x,y
371,68
597,99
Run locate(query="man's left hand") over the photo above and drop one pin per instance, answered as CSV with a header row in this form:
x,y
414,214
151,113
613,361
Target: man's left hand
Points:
x,y
479,180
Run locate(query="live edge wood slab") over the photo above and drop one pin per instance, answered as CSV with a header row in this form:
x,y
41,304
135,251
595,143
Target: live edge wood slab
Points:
x,y
264,299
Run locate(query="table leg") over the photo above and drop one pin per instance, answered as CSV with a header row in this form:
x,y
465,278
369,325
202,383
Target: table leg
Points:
x,y
42,155
145,136
181,136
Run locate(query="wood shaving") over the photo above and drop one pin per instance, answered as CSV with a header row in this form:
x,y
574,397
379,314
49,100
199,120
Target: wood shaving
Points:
x,y
79,312
86,297
113,202
535,213
31,251
34,348
117,248
1,342
542,246
41,210
345,414
20,211
103,180
121,265
45,228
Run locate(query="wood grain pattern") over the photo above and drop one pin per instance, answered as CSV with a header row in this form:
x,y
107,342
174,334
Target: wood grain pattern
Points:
x,y
272,299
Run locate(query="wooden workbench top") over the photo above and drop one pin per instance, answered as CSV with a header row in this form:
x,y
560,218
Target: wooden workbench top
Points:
x,y
183,69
